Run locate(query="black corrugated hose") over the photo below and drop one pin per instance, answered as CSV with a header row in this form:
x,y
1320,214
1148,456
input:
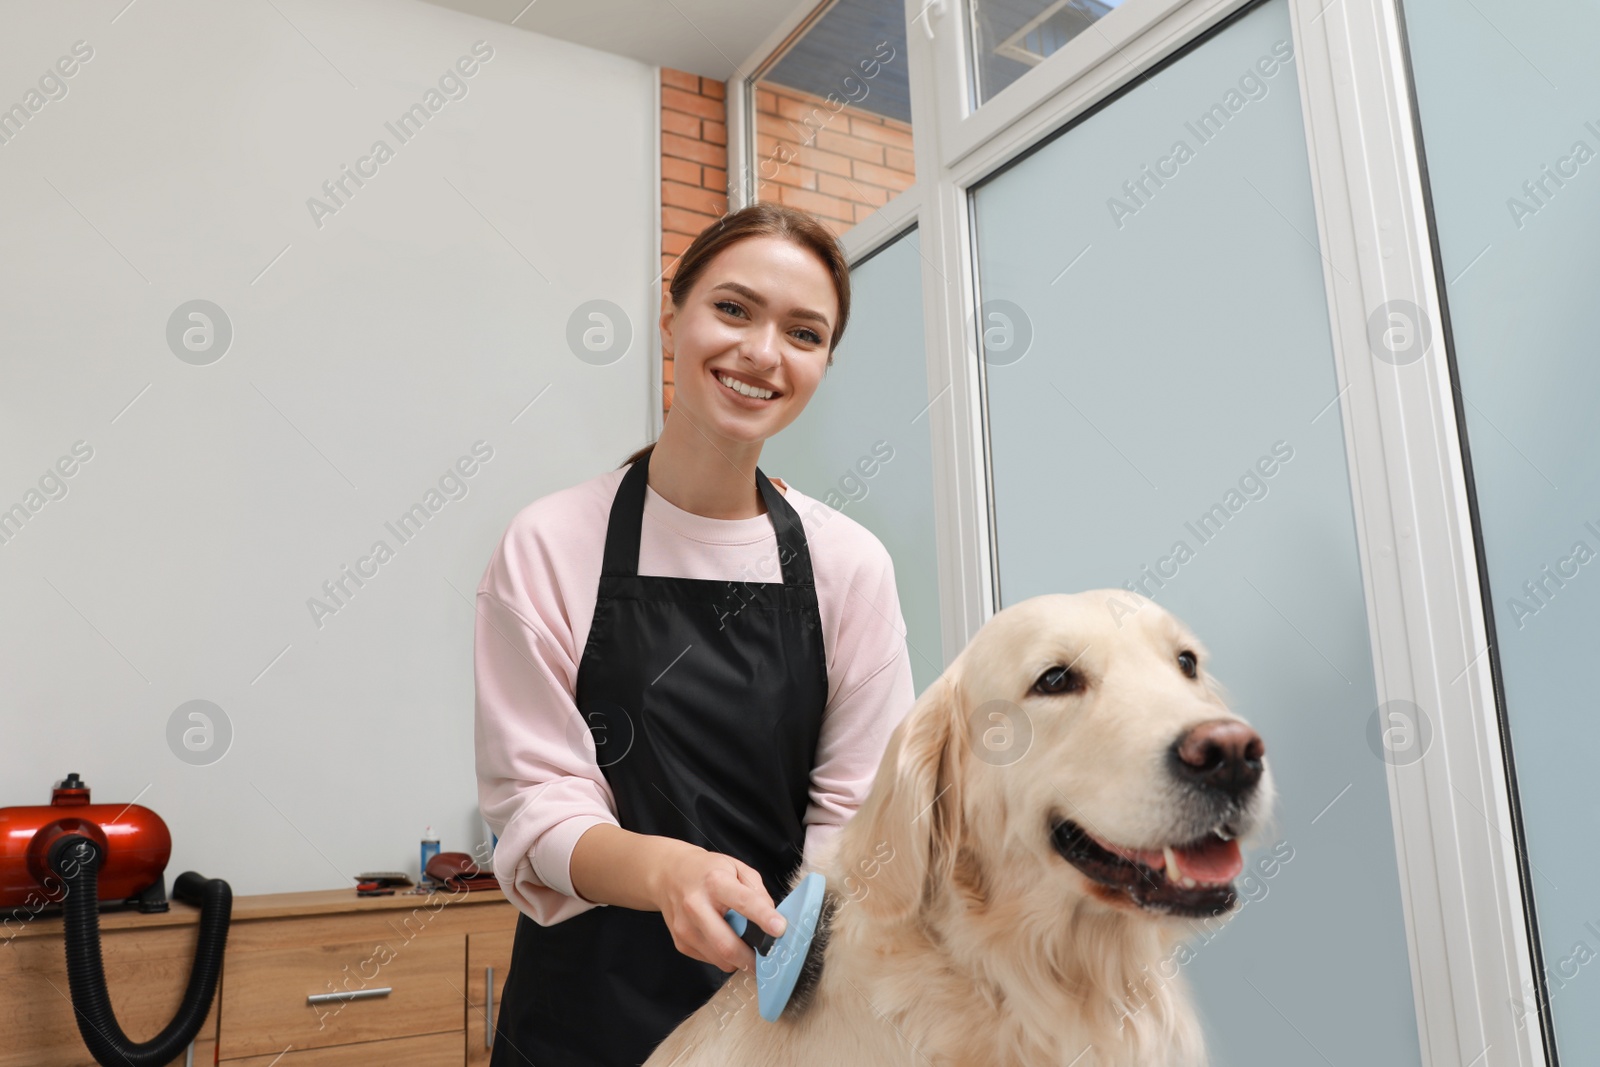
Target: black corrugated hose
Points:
x,y
96,1021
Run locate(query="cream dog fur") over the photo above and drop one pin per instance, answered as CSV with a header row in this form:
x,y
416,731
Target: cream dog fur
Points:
x,y
959,933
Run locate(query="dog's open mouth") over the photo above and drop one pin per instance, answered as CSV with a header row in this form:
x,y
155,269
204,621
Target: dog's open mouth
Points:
x,y
1193,879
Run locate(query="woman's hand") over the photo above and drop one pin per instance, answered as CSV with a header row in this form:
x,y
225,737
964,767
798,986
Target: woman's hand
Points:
x,y
693,887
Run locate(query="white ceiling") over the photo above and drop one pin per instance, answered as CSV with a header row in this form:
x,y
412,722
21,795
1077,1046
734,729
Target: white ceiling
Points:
x,y
706,37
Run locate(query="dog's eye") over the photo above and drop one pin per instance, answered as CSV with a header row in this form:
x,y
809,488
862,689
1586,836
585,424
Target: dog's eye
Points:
x,y
1058,680
1187,663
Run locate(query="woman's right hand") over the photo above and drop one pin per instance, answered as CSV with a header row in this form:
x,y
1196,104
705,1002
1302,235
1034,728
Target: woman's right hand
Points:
x,y
693,887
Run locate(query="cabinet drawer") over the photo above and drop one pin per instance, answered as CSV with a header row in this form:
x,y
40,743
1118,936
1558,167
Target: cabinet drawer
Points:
x,y
417,956
435,1050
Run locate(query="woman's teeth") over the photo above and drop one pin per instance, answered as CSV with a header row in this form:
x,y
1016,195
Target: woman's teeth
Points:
x,y
746,390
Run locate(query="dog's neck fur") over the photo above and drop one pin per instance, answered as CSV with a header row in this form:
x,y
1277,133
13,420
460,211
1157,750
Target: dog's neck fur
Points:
x,y
1095,971
965,980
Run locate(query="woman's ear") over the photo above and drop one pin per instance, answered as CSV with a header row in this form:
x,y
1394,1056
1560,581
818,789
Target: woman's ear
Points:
x,y
906,831
668,311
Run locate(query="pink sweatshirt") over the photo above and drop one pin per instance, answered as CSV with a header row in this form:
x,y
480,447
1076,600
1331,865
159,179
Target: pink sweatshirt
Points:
x,y
539,786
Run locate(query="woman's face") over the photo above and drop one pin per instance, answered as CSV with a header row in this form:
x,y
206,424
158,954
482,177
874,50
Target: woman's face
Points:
x,y
762,313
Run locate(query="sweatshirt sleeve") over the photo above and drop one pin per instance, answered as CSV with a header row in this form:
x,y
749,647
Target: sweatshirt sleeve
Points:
x,y
874,694
539,783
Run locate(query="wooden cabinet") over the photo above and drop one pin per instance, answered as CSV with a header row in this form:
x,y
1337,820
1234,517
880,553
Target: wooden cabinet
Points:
x,y
319,979
433,1050
147,970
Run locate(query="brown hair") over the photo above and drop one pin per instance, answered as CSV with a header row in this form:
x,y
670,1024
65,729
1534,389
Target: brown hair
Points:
x,y
762,219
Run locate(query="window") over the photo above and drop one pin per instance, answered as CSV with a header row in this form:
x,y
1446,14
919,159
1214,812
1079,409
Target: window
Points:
x,y
1010,37
831,115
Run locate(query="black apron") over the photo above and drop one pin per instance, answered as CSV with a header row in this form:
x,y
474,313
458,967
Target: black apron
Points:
x,y
705,701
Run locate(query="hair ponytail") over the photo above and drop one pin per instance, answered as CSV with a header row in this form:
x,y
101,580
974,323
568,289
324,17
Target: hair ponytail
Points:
x,y
637,456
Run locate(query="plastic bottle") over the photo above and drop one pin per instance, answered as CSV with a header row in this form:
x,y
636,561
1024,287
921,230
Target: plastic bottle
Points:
x,y
430,849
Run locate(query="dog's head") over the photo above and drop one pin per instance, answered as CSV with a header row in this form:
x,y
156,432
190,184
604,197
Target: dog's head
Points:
x,y
1078,741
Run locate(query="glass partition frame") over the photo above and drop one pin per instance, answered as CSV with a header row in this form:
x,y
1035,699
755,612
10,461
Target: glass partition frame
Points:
x,y
1469,931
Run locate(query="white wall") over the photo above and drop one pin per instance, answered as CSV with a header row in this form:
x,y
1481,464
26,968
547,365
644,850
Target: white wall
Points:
x,y
368,355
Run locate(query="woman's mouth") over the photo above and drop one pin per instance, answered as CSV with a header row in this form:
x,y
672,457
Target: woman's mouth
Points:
x,y
742,392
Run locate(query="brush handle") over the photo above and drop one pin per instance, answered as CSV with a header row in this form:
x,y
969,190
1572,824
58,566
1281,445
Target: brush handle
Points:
x,y
749,932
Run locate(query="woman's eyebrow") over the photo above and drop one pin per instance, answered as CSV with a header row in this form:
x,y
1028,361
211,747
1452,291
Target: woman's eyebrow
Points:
x,y
761,301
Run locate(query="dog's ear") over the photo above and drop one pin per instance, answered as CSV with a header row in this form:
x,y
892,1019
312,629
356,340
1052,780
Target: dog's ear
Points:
x,y
908,828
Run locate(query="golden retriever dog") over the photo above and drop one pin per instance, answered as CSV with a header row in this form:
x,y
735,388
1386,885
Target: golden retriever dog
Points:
x,y
1051,818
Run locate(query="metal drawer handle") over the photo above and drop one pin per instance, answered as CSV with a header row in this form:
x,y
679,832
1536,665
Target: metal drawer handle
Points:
x,y
488,1005
359,994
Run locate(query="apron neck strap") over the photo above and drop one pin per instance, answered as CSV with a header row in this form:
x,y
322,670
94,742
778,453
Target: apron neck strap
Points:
x,y
627,521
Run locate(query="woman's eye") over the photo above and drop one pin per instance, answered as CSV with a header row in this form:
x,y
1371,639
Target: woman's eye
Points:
x,y
1058,680
809,336
1188,664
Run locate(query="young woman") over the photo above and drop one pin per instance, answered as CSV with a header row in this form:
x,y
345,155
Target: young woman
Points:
x,y
686,672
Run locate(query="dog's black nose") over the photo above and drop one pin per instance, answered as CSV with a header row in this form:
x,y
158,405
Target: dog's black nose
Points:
x,y
1223,754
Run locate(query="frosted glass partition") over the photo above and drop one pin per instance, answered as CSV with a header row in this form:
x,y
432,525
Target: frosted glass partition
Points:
x,y
863,445
1162,411
1509,99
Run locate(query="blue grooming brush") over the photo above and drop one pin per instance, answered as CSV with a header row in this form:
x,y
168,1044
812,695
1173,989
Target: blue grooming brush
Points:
x,y
780,961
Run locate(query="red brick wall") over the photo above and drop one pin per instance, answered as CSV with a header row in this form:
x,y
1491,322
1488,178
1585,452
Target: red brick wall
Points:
x,y
839,165
694,172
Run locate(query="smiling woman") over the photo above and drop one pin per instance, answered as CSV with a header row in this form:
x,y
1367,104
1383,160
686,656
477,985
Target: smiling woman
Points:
x,y
645,741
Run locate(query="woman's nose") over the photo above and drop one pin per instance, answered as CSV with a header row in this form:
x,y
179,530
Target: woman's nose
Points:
x,y
765,349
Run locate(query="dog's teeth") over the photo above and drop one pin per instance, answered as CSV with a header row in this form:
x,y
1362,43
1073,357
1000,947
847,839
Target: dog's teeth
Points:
x,y
1189,883
1222,832
1172,864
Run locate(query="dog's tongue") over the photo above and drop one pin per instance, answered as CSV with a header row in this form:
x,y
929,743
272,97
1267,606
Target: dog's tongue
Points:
x,y
1213,862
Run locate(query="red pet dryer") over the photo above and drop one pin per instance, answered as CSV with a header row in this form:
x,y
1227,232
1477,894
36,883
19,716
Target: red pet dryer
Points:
x,y
73,858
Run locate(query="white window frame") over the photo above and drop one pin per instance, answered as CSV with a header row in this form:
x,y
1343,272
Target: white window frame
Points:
x,y
1466,922
1109,53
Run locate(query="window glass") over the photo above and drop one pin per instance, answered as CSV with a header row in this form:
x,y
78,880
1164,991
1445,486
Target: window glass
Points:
x,y
1162,411
1509,99
1011,37
832,116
